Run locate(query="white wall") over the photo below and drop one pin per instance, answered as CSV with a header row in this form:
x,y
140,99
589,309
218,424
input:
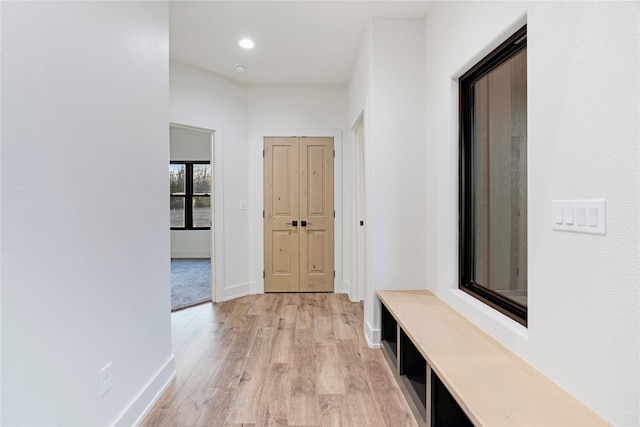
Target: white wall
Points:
x,y
187,144
299,110
583,135
191,244
207,101
85,281
388,83
297,107
359,86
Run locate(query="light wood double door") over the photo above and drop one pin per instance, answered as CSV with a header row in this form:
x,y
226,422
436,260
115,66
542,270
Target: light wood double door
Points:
x,y
298,214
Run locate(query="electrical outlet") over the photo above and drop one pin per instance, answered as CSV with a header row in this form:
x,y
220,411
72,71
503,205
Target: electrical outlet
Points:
x,y
105,379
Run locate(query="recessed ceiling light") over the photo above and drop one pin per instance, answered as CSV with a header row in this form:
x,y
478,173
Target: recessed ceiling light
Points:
x,y
240,68
247,43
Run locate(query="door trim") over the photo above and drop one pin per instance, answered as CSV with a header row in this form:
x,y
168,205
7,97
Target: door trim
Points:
x,y
217,229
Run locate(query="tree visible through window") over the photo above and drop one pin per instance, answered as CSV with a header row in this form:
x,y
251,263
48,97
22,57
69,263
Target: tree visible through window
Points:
x,y
493,179
190,195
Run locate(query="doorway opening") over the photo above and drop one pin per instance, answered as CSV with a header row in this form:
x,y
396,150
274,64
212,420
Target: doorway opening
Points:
x,y
191,215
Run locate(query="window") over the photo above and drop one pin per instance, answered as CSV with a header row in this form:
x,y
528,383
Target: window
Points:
x,y
190,195
493,179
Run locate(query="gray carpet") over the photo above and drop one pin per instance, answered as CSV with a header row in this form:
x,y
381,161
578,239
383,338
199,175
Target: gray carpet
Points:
x,y
190,282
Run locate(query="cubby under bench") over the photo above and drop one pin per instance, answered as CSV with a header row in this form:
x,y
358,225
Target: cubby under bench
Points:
x,y
453,374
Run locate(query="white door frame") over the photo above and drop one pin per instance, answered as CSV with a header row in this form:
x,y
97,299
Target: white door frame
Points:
x,y
217,217
360,210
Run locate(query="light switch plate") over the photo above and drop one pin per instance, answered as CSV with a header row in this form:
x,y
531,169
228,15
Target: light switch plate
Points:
x,y
579,216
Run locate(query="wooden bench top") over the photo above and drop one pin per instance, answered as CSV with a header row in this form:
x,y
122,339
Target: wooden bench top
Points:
x,y
491,384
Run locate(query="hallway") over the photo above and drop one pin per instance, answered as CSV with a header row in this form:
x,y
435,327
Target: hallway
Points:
x,y
278,359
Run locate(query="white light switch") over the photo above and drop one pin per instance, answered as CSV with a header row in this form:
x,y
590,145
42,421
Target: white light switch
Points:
x,y
593,217
568,215
243,205
557,212
579,216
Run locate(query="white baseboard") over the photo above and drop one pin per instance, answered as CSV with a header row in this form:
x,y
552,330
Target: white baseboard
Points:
x,y
372,335
144,401
238,291
190,254
342,288
352,293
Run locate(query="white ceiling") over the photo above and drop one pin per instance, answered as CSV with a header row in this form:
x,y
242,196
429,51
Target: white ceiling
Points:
x,y
297,42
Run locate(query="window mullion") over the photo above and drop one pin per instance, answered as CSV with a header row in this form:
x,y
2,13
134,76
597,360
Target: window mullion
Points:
x,y
188,202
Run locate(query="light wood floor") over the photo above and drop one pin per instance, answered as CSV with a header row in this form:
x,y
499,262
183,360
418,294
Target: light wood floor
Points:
x,y
278,360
